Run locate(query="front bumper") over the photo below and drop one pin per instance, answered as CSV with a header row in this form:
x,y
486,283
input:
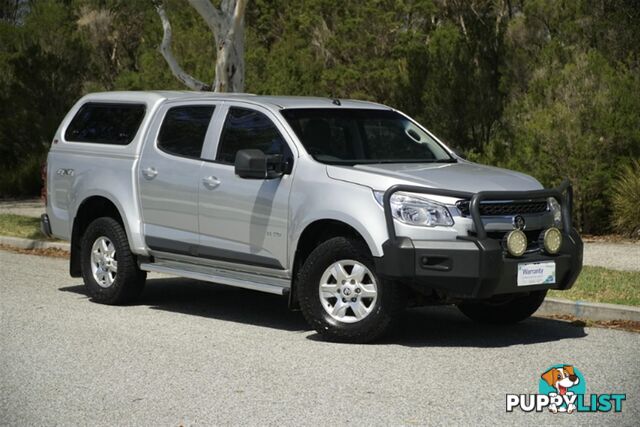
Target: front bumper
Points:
x,y
473,268
476,266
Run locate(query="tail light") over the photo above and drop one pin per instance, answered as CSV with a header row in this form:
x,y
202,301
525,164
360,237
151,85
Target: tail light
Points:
x,y
43,176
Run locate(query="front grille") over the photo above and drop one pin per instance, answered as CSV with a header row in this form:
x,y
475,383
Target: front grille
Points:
x,y
505,208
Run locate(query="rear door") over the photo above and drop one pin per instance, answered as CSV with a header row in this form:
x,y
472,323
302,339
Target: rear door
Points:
x,y
244,221
169,173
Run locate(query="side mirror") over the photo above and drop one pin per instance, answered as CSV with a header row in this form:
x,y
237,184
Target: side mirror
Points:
x,y
254,164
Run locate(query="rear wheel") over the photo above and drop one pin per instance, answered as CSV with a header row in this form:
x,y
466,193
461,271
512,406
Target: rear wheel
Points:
x,y
341,296
109,269
505,310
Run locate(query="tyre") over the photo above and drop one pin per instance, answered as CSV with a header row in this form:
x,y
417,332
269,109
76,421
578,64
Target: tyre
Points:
x,y
341,296
511,310
109,269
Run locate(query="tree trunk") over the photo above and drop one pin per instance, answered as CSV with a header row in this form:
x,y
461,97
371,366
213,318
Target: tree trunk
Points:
x,y
227,26
230,58
165,50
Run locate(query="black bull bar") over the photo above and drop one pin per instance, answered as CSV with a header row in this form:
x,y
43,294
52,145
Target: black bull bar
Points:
x,y
563,193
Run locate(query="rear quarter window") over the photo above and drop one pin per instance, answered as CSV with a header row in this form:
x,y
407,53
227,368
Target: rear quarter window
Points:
x,y
106,123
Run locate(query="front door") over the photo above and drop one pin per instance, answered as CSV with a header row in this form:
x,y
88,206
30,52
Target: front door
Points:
x,y
169,175
244,221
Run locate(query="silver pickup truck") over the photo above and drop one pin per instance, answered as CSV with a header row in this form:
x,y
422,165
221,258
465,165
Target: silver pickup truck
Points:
x,y
350,209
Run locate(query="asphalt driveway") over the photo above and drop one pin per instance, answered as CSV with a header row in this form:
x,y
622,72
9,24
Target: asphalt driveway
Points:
x,y
193,353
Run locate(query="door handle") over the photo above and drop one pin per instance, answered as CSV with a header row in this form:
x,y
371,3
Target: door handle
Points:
x,y
211,182
150,172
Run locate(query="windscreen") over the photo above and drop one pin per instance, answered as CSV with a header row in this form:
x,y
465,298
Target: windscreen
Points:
x,y
362,136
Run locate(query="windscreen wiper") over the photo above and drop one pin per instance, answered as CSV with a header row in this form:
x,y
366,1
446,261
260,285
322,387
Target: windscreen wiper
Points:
x,y
377,162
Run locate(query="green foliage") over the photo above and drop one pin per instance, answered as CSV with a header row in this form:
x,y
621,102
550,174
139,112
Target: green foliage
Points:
x,y
568,125
548,87
23,179
44,65
626,199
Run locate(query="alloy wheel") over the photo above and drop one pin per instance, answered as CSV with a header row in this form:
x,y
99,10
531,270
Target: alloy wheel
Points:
x,y
104,264
348,291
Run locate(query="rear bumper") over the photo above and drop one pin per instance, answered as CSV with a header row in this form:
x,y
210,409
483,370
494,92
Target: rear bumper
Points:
x,y
473,268
45,225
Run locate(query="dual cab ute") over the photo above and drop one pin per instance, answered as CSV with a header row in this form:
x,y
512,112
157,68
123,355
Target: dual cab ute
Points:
x,y
350,209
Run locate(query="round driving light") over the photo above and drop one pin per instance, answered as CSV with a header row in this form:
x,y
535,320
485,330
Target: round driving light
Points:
x,y
552,240
516,242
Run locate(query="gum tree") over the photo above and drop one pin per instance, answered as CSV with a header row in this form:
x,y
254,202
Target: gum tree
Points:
x,y
227,25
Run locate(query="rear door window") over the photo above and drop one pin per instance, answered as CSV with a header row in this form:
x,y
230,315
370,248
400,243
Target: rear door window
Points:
x,y
106,123
183,130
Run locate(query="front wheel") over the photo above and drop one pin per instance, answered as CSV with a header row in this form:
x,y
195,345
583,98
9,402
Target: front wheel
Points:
x,y
341,296
506,310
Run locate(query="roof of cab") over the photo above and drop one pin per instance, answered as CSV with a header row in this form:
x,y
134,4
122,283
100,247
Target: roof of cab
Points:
x,y
275,101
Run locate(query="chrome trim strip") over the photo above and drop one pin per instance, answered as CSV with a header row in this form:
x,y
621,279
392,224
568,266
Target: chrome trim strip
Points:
x,y
223,265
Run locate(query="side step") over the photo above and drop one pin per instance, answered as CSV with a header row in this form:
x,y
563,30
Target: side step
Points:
x,y
272,285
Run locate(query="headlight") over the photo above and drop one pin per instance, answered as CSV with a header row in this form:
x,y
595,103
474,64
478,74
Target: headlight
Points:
x,y
415,210
556,210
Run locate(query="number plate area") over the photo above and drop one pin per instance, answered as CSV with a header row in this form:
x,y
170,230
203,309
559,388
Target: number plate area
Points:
x,y
536,273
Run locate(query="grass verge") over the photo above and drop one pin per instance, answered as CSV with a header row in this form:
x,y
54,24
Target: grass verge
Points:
x,y
21,226
600,284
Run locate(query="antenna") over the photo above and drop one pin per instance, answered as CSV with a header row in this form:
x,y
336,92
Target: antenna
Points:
x,y
336,101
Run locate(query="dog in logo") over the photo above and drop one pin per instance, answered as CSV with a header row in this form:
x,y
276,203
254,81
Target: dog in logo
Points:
x,y
562,379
